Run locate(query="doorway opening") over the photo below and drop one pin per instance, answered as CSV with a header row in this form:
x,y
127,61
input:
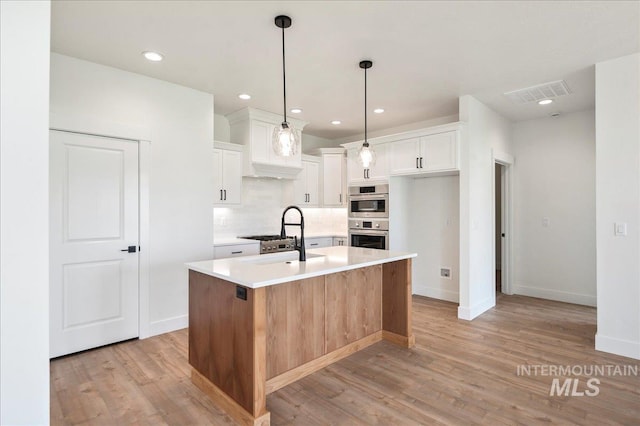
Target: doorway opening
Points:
x,y
503,223
499,233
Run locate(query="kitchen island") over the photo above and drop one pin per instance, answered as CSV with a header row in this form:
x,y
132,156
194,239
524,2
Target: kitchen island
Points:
x,y
259,323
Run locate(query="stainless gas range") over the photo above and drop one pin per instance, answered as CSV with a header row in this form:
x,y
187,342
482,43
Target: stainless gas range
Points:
x,y
272,243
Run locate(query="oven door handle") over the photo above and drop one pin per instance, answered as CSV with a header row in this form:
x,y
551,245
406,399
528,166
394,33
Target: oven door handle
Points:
x,y
373,232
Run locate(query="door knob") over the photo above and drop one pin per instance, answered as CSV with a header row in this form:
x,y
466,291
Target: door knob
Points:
x,y
130,249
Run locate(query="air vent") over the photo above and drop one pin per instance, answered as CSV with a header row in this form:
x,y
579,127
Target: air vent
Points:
x,y
553,89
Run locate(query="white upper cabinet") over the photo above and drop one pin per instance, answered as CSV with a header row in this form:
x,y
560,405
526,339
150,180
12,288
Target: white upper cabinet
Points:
x,y
333,179
430,153
253,129
227,174
378,172
434,150
306,187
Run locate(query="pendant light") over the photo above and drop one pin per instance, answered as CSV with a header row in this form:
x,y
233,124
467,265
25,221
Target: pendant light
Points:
x,y
285,140
366,154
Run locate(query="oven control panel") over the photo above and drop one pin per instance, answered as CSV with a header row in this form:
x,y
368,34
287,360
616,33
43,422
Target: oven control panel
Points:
x,y
378,225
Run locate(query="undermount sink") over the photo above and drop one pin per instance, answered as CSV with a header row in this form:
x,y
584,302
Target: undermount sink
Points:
x,y
269,259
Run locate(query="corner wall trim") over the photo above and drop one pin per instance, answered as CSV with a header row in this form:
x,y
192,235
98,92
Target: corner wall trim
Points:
x,y
617,346
470,312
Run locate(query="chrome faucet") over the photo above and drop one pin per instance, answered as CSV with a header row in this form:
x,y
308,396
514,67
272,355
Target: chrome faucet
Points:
x,y
283,233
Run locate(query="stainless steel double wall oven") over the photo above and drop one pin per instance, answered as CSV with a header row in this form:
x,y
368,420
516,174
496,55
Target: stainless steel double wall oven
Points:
x,y
369,216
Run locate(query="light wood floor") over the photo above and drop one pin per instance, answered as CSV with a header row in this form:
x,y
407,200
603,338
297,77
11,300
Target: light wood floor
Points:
x,y
459,373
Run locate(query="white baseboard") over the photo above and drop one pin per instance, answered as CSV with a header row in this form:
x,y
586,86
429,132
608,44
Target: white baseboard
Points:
x,y
436,293
167,325
551,294
616,346
470,312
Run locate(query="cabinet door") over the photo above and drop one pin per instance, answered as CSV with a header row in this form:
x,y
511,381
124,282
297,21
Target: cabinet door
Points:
x,y
300,187
312,170
232,177
439,152
404,156
217,176
318,242
380,171
355,172
332,180
261,133
222,252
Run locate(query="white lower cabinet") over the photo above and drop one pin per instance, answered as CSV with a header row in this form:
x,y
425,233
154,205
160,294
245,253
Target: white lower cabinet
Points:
x,y
340,241
318,242
236,250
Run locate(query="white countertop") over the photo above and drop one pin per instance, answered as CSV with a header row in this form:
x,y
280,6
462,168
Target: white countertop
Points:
x,y
277,268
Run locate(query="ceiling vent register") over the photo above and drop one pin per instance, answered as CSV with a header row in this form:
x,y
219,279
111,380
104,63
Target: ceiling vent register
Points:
x,y
549,90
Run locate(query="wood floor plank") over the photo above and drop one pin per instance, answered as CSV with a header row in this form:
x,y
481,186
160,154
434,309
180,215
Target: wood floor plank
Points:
x,y
459,372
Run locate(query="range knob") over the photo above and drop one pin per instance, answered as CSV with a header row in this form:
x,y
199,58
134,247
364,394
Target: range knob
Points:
x,y
377,225
357,224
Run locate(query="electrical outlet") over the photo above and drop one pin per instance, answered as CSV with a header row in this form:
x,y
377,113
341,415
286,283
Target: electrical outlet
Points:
x,y
445,273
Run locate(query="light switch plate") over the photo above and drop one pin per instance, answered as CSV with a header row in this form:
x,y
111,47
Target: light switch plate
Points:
x,y
620,229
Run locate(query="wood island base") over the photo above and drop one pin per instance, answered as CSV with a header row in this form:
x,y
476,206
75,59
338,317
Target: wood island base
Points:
x,y
245,343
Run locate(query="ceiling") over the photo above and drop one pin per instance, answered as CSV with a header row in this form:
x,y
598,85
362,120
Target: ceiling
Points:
x,y
425,53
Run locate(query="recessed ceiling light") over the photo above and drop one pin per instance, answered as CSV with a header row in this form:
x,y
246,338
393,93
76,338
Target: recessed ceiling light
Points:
x,y
244,96
336,122
296,110
153,56
378,110
545,102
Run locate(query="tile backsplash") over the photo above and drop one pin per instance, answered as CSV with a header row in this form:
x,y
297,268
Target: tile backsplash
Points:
x,y
262,205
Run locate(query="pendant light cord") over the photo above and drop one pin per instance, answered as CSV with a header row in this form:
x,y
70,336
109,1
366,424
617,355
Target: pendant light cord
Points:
x,y
284,79
365,106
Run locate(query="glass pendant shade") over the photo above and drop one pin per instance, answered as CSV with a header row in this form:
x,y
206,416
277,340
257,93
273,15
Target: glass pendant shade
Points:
x,y
285,140
366,156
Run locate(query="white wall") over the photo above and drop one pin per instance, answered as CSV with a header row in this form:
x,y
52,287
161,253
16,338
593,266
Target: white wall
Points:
x,y
181,176
485,132
618,201
24,218
554,179
261,210
434,208
222,130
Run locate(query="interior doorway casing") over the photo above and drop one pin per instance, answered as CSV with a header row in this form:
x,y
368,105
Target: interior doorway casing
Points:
x,y
507,161
96,126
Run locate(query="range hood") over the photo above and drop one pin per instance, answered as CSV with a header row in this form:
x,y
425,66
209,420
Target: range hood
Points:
x,y
253,128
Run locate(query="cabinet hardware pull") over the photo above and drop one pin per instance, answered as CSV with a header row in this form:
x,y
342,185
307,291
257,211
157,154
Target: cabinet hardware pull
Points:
x,y
340,198
313,244
421,162
221,195
364,173
417,167
236,252
225,195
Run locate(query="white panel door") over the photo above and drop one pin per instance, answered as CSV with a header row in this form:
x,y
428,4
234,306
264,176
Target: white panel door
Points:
x,y
93,218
